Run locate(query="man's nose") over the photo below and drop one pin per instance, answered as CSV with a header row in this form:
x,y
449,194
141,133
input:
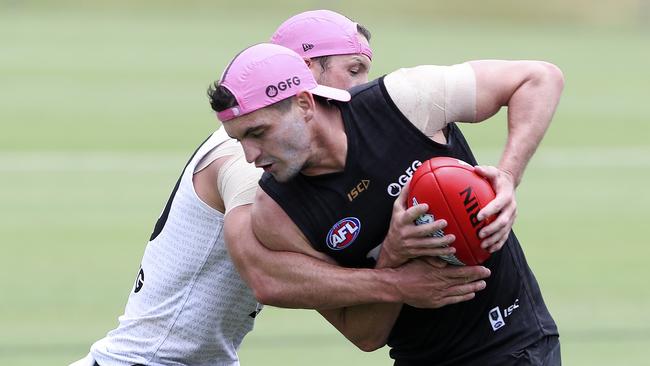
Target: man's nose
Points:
x,y
251,151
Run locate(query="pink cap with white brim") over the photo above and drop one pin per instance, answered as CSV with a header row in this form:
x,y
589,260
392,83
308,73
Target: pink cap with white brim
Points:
x,y
267,73
320,33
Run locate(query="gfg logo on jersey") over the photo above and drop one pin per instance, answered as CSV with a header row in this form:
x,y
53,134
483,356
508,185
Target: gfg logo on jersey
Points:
x,y
343,233
394,189
273,90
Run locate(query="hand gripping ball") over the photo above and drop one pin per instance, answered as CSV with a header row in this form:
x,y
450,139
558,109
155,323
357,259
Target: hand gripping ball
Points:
x,y
454,192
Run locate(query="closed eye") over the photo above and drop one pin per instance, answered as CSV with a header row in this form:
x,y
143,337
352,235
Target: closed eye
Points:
x,y
255,133
358,68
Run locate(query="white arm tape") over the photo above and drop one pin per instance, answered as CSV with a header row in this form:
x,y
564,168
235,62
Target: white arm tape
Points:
x,y
237,181
433,96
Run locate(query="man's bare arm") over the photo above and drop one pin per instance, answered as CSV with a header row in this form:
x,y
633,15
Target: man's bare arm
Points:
x,y
292,277
531,90
421,283
432,96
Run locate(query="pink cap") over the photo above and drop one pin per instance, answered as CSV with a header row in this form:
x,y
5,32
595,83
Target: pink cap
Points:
x,y
267,73
320,33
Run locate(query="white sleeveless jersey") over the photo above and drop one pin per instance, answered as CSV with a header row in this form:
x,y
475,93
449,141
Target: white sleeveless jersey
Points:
x,y
188,306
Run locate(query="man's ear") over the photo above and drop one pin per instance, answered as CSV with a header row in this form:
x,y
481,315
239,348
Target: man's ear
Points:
x,y
314,66
306,104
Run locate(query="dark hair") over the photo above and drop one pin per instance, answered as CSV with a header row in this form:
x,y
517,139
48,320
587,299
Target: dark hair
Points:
x,y
364,31
324,102
323,60
221,99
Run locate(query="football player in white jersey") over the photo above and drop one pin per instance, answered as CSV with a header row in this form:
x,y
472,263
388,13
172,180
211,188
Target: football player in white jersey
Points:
x,y
190,306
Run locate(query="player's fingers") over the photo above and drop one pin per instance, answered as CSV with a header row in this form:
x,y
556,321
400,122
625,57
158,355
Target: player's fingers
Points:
x,y
486,171
493,234
503,222
463,292
493,239
467,273
466,288
412,213
403,195
432,241
400,203
493,207
431,252
432,228
493,228
420,246
499,243
455,299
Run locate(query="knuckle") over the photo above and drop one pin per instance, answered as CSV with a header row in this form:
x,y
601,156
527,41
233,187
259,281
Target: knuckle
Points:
x,y
438,224
502,220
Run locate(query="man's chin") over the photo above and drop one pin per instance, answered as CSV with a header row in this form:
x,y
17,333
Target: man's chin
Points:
x,y
284,176
280,178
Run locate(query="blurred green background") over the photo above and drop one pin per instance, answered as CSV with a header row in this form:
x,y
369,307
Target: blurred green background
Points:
x,y
101,103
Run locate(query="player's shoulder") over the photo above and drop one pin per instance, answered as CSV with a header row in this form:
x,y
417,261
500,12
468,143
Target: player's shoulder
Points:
x,y
423,75
366,88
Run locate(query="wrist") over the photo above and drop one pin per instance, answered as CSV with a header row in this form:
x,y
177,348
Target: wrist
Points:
x,y
510,175
387,259
389,280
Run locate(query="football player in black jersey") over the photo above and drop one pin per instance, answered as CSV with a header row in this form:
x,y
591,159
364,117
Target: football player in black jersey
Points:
x,y
315,145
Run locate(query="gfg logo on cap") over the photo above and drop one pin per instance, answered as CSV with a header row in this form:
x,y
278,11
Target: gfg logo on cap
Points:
x,y
273,90
343,233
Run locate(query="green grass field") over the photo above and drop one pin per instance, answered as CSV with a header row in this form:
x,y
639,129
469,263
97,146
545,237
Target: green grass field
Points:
x,y
101,105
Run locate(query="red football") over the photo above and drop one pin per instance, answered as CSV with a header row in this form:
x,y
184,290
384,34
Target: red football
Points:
x,y
454,192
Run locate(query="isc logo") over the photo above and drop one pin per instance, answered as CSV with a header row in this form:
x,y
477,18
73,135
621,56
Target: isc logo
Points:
x,y
343,233
360,187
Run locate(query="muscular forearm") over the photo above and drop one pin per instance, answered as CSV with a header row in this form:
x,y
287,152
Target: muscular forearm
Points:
x,y
366,326
531,90
530,110
294,280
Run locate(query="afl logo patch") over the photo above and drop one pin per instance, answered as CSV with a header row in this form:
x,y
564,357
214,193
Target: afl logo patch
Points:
x,y
343,233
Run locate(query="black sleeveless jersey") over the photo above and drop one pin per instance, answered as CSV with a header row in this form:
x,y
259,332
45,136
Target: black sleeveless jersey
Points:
x,y
347,214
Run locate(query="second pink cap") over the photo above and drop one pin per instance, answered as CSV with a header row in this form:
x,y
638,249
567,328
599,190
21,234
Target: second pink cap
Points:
x,y
320,33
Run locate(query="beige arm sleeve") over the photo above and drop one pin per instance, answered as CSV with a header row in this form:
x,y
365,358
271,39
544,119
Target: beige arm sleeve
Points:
x,y
433,96
237,182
